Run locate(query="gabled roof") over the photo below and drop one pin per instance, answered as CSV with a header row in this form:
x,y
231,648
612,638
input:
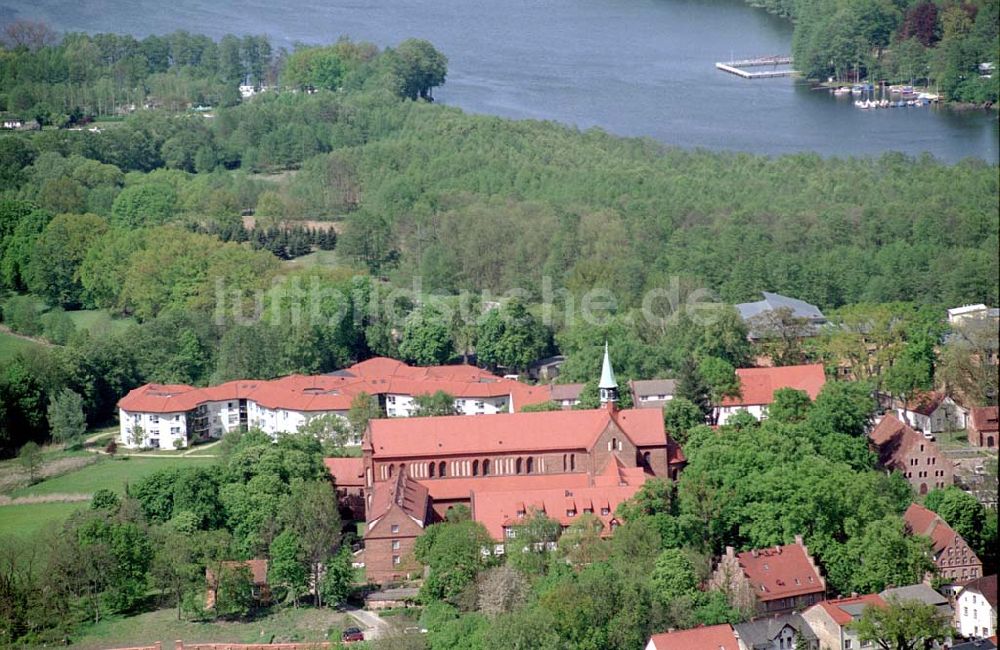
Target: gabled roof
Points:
x,y
925,403
775,301
921,593
922,521
985,419
987,586
410,495
258,571
763,631
843,611
714,637
893,439
781,572
645,387
757,385
561,392
508,432
346,472
455,489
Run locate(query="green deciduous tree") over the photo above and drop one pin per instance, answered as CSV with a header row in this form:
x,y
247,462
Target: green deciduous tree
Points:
x,y
288,570
426,338
906,625
436,403
67,422
54,270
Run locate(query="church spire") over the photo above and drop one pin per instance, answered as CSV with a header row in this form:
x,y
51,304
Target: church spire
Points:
x,y
608,388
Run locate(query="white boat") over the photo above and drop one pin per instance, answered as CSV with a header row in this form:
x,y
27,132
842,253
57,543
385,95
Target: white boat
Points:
x,y
843,90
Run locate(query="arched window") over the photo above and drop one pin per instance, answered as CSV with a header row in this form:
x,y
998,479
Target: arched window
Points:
x,y
442,469
430,470
614,444
486,467
475,468
645,459
390,471
517,465
529,465
402,469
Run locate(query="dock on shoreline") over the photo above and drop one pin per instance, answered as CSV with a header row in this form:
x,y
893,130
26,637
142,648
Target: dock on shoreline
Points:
x,y
738,67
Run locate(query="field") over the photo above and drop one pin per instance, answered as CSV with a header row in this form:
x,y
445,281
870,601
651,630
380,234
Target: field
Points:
x,y
289,624
98,319
107,474
27,519
11,345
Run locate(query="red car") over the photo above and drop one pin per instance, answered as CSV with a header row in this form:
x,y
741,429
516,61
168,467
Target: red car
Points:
x,y
352,634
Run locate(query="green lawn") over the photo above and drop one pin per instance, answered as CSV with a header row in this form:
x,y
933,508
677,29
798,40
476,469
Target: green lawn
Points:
x,y
11,345
28,519
109,474
304,624
98,319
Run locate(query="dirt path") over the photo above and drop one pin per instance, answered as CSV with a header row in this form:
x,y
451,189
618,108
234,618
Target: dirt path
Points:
x,y
43,498
24,337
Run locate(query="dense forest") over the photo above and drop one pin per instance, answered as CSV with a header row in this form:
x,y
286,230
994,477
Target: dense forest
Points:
x,y
938,43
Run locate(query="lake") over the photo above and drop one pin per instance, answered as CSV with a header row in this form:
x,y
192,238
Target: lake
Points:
x,y
631,67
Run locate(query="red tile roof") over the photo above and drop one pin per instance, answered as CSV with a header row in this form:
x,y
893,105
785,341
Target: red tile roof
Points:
x,y
923,521
984,419
451,489
987,586
841,616
757,385
258,571
496,510
346,472
893,439
508,432
715,637
402,491
781,572
925,403
335,392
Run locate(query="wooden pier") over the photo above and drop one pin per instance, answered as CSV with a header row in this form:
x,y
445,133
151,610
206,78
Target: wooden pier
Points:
x,y
737,67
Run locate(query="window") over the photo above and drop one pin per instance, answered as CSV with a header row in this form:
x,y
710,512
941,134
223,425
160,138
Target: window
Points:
x,y
175,431
588,511
229,405
475,468
391,399
508,532
847,644
395,560
605,511
232,418
430,470
395,544
517,466
394,528
486,467
177,418
155,419
570,512
572,462
529,465
442,468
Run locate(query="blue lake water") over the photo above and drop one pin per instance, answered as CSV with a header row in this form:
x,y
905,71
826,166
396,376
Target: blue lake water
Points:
x,y
631,67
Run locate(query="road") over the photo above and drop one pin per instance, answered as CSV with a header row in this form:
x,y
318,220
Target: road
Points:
x,y
374,625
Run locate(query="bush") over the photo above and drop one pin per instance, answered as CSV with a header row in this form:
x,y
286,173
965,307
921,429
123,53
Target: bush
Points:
x,y
20,313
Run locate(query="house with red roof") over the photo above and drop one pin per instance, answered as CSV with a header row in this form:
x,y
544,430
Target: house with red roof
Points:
x,y
932,412
779,579
831,620
711,637
166,416
984,427
757,386
916,456
397,514
256,571
956,562
976,608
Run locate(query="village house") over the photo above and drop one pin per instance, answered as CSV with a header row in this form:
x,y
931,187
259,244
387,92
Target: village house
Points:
x,y
652,393
563,463
757,386
967,313
257,570
779,580
984,427
163,416
397,514
566,395
921,593
782,632
917,457
976,608
932,412
956,562
831,620
713,637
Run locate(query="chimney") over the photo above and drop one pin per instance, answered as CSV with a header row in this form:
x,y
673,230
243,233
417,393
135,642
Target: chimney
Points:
x,y
730,551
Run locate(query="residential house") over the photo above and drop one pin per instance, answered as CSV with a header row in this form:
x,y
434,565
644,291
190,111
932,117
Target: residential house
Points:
x,y
782,632
652,393
984,427
917,457
799,309
546,369
967,313
956,562
831,621
757,386
13,123
398,511
349,480
169,416
712,637
257,570
976,608
566,395
932,412
781,580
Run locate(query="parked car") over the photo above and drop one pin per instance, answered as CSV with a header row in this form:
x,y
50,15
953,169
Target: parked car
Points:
x,y
352,634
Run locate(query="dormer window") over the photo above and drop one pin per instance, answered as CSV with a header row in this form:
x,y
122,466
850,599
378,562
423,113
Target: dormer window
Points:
x,y
605,511
520,514
570,513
